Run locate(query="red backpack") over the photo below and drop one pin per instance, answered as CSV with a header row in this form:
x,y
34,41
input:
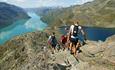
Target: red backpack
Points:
x,y
63,39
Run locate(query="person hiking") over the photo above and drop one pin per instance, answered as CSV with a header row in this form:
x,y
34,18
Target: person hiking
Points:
x,y
52,41
63,41
64,38
74,39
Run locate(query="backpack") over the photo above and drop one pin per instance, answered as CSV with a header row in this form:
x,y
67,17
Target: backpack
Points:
x,y
52,40
75,30
63,39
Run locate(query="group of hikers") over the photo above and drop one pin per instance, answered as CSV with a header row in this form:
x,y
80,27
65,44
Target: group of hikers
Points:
x,y
70,40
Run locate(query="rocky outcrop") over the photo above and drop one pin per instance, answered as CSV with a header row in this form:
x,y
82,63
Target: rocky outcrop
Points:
x,y
94,56
31,52
10,13
24,52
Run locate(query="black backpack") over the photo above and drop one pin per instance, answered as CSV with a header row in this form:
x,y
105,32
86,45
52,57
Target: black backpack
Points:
x,y
53,40
75,30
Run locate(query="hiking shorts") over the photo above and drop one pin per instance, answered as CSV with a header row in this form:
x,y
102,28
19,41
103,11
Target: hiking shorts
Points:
x,y
74,40
53,45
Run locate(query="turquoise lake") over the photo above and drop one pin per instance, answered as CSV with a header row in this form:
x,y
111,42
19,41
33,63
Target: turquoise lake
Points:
x,y
22,26
35,24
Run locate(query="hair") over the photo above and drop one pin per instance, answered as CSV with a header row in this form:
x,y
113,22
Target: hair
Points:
x,y
77,22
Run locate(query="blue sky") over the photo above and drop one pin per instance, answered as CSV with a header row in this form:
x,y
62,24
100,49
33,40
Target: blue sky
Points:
x,y
42,3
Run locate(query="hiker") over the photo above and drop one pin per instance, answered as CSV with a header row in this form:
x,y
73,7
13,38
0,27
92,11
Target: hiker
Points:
x,y
52,41
63,41
74,39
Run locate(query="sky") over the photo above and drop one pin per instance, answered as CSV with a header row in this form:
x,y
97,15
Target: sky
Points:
x,y
44,3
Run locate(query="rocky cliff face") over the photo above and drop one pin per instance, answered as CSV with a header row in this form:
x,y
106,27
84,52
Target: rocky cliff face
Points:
x,y
98,13
24,52
31,52
10,13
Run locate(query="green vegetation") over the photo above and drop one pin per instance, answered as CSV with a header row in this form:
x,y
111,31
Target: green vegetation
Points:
x,y
99,13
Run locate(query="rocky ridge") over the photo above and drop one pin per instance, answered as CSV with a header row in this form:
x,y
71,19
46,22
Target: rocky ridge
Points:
x,y
31,52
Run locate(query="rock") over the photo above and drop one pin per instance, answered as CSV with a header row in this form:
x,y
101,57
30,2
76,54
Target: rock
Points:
x,y
24,52
110,39
30,52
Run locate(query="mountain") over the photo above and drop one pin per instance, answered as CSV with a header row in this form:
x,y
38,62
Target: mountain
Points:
x,y
10,13
99,13
31,52
41,10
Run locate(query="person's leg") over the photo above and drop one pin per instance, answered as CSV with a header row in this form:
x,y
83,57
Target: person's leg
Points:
x,y
75,52
70,46
77,47
74,49
58,47
53,48
63,46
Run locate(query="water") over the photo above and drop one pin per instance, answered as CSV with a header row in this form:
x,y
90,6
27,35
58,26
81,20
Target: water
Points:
x,y
34,23
99,33
94,33
22,26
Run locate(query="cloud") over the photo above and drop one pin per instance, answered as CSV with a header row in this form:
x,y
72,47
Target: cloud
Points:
x,y
3,0
39,3
20,0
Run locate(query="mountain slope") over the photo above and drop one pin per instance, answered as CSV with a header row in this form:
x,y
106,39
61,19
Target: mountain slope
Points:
x,y
98,13
10,13
31,52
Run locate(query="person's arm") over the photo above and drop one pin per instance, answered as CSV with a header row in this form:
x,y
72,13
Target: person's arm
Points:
x,y
84,35
71,29
69,33
82,31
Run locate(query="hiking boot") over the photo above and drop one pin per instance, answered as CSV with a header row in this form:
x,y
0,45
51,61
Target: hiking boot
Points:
x,y
84,43
79,51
